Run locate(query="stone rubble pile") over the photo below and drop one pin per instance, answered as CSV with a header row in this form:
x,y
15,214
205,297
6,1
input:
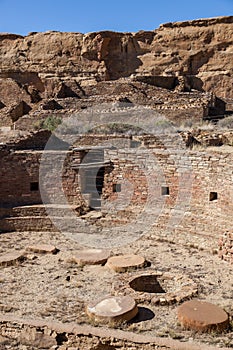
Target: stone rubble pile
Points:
x,y
226,247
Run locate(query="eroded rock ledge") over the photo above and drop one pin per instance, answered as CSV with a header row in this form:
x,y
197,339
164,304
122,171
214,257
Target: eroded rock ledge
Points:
x,y
200,48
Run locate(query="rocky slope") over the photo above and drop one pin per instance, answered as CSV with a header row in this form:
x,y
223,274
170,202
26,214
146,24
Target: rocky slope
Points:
x,y
191,55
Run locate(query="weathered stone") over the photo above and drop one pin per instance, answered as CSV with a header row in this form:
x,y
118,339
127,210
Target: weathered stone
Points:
x,y
101,56
51,105
12,93
12,258
202,316
113,309
225,244
42,248
37,339
122,263
91,257
93,215
18,110
155,287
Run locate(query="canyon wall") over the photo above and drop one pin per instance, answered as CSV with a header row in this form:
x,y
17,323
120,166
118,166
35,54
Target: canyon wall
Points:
x,y
199,50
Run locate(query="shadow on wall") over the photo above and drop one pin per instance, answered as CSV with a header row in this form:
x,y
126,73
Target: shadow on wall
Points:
x,y
118,51
122,59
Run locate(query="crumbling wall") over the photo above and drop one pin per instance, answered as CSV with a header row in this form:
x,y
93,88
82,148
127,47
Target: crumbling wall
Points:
x,y
45,334
226,247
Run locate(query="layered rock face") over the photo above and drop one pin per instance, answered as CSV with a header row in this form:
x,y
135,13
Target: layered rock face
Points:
x,y
200,48
193,55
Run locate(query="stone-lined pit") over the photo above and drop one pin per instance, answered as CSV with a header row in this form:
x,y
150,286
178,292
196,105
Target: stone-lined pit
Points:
x,y
147,283
156,288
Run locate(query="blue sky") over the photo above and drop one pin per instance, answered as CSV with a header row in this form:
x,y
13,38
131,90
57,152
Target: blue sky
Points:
x,y
23,16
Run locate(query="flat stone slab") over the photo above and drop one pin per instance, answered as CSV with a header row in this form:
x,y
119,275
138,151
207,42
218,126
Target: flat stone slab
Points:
x,y
91,257
93,215
113,309
122,263
12,258
42,249
202,316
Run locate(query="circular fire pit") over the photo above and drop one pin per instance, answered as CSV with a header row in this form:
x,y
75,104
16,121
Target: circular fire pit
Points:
x,y
146,284
155,287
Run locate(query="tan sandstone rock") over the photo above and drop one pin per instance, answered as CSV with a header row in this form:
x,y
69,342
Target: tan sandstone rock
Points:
x,y
199,50
122,263
12,258
91,257
42,248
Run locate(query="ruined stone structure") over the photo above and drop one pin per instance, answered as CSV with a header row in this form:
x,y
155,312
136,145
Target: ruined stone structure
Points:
x,y
192,190
167,184
65,72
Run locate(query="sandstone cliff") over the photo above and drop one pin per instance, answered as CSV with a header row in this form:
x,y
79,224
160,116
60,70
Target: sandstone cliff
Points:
x,y
200,48
195,55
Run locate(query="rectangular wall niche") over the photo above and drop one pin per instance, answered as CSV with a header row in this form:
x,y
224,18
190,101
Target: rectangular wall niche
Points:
x,y
34,186
116,188
165,191
213,196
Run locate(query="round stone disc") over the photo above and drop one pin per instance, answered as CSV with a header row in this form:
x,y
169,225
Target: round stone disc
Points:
x,y
113,309
42,249
122,263
202,316
12,258
91,257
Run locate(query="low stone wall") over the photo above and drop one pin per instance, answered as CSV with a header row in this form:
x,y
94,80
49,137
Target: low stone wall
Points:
x,y
44,334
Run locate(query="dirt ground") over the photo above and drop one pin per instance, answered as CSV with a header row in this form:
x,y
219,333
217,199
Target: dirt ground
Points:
x,y
52,287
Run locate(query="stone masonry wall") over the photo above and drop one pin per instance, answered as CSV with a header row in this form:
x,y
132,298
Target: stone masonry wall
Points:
x,y
199,184
226,247
187,191
19,170
42,334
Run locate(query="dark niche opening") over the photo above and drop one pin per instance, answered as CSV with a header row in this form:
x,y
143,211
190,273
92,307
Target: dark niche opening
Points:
x,y
165,191
116,188
147,283
213,196
34,186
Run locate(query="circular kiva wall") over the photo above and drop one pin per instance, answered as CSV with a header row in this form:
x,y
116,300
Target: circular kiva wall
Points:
x,y
155,287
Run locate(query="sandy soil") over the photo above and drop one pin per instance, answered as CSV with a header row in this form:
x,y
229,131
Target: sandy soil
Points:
x,y
51,287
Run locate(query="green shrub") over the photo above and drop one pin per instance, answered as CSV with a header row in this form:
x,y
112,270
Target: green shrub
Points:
x,y
50,123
